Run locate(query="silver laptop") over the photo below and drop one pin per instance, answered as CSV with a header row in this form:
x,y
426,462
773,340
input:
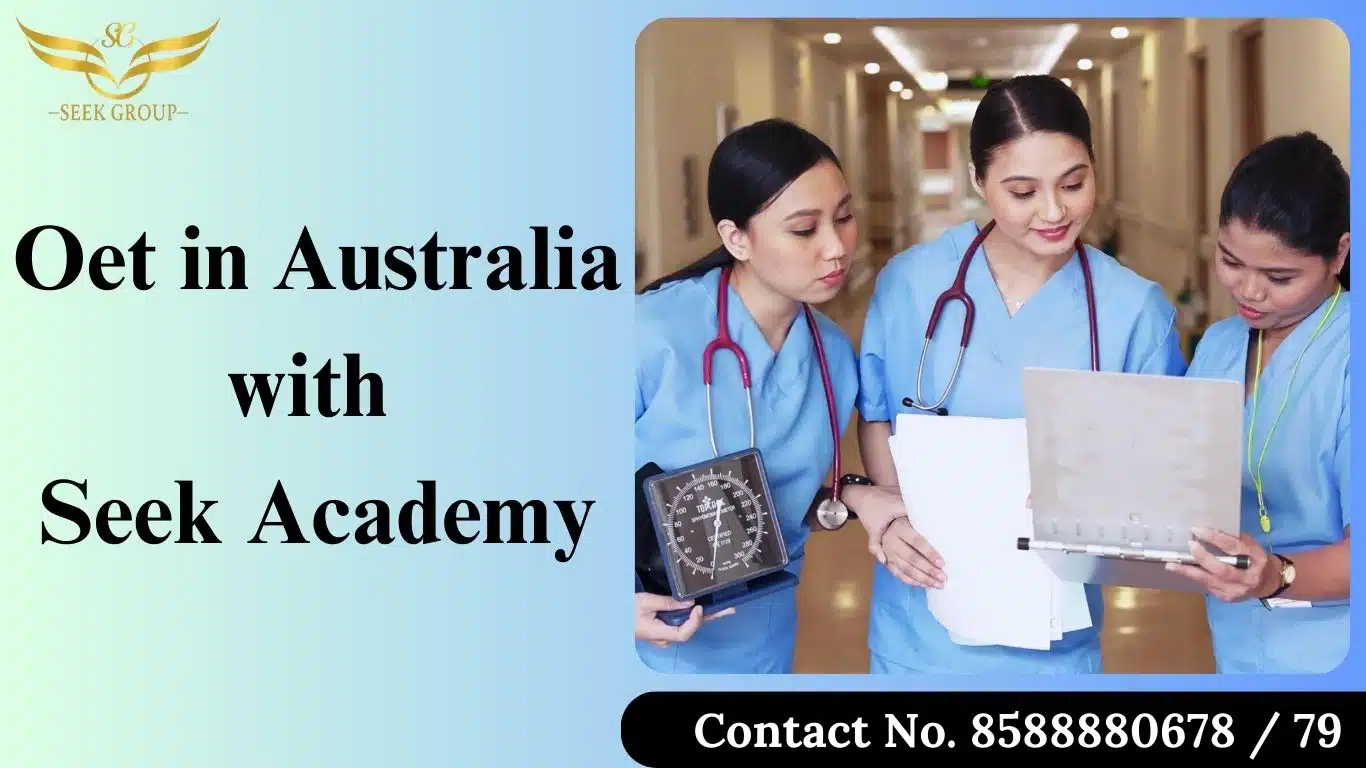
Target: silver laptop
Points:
x,y
1123,466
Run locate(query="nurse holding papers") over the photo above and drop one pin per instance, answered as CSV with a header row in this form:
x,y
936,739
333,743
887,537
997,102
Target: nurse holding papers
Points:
x,y
1036,298
1283,245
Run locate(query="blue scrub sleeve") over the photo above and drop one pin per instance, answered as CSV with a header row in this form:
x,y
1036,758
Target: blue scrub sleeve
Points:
x,y
1198,365
646,343
1342,459
842,362
846,377
872,395
1157,339
640,397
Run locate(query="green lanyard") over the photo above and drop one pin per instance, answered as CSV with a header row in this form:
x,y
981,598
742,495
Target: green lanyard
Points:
x,y
1263,517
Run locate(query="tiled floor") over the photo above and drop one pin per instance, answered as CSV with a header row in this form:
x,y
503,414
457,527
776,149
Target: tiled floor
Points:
x,y
1145,632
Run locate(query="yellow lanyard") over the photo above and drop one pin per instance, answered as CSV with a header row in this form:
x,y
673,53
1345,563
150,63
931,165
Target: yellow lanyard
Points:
x,y
1262,516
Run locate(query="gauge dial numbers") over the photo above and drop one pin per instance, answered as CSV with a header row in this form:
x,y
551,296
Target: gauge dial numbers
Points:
x,y
716,524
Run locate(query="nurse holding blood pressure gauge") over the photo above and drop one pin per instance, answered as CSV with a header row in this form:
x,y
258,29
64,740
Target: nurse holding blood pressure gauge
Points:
x,y
742,392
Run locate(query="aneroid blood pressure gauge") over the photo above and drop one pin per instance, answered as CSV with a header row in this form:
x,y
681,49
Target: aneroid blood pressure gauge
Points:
x,y
719,537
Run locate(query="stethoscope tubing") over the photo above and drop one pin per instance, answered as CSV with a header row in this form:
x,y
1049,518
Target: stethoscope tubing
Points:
x,y
723,341
958,292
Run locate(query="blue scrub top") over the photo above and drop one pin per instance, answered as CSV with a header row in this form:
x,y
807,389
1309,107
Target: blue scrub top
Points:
x,y
1135,322
1305,484
674,324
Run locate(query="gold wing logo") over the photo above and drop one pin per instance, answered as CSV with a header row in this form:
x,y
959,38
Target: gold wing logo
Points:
x,y
93,63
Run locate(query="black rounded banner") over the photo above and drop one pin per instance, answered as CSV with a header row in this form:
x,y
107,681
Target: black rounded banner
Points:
x,y
723,728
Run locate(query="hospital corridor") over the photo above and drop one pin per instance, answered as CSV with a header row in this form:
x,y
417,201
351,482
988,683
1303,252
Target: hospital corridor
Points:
x,y
1174,104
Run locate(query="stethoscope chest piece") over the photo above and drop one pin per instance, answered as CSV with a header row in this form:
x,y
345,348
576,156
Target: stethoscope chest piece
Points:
x,y
832,514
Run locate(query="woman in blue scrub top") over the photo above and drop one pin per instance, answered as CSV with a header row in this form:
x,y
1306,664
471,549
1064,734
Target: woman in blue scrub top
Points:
x,y
783,210
1282,255
1033,164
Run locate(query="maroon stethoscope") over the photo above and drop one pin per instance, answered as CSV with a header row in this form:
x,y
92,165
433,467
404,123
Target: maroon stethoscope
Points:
x,y
959,292
831,509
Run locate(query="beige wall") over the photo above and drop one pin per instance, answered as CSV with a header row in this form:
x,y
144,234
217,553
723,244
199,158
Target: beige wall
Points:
x,y
1305,66
1309,87
1141,106
676,118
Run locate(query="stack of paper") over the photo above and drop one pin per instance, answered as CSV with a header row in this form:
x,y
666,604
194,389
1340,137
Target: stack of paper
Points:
x,y
965,482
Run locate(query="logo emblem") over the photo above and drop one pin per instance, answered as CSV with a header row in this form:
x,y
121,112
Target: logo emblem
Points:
x,y
118,66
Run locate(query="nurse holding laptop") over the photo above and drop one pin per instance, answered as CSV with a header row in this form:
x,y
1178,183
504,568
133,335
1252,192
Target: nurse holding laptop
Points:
x,y
954,322
1282,254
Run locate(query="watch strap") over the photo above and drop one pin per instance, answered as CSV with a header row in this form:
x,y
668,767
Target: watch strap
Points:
x,y
850,478
1285,564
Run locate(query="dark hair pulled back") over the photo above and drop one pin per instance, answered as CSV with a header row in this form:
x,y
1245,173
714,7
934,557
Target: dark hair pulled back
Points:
x,y
1297,189
1023,105
749,168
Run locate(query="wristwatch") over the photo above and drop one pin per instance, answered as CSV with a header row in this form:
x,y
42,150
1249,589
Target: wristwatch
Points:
x,y
1287,578
850,478
832,514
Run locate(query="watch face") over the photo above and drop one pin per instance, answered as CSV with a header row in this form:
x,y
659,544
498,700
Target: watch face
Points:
x,y
1288,574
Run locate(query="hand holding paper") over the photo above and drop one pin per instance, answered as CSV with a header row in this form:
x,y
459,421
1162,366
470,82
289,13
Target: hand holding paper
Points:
x,y
965,482
910,557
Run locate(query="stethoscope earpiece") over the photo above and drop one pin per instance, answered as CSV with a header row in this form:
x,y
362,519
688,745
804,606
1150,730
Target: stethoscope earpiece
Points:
x,y
939,411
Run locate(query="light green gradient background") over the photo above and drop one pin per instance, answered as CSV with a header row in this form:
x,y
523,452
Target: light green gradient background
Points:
x,y
370,124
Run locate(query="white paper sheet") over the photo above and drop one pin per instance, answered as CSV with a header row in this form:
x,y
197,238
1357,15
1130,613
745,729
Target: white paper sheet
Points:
x,y
1076,610
965,481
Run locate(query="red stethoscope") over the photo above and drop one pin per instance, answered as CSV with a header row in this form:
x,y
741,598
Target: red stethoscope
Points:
x,y
959,292
832,512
